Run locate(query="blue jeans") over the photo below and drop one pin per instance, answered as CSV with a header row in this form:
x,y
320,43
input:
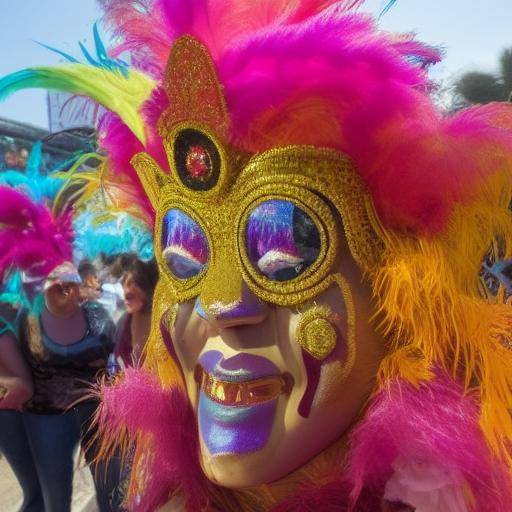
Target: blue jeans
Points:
x,y
14,446
107,475
53,439
43,446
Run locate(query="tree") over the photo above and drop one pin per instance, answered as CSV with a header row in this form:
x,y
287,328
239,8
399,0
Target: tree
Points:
x,y
478,87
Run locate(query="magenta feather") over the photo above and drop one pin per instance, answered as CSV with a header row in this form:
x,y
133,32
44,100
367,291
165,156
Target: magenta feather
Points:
x,y
331,497
321,73
434,424
138,405
33,240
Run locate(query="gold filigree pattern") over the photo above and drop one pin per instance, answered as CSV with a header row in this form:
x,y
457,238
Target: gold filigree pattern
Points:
x,y
313,179
194,91
315,332
322,182
351,320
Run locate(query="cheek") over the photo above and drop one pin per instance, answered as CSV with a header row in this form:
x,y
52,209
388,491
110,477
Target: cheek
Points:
x,y
348,375
71,301
141,297
189,334
325,333
56,299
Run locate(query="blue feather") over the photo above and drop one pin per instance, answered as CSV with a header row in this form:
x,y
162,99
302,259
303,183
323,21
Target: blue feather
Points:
x,y
387,7
34,182
13,293
11,83
34,161
115,236
101,51
67,56
102,59
88,56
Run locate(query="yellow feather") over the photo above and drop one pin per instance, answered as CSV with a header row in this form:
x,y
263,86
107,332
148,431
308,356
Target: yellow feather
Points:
x,y
432,311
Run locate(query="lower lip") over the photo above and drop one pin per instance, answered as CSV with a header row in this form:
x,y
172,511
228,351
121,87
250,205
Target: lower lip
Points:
x,y
235,430
228,429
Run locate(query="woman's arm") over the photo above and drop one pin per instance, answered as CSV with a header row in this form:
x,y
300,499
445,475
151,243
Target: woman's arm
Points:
x,y
15,377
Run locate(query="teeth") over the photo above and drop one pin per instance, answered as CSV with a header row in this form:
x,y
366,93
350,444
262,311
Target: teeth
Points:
x,y
243,393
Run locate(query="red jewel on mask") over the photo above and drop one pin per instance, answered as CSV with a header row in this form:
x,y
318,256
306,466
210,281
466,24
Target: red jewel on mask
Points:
x,y
198,163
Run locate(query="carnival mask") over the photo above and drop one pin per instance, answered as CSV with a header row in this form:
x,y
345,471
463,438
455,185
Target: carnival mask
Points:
x,y
261,298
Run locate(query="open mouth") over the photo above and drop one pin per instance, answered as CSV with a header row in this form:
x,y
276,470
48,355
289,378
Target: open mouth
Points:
x,y
238,400
242,393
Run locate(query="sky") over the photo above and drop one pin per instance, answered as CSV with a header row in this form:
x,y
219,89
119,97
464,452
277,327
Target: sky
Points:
x,y
471,32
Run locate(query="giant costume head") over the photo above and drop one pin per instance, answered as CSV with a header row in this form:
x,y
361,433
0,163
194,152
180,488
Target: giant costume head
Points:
x,y
319,227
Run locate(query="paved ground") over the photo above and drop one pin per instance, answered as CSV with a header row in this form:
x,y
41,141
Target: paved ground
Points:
x,y
83,490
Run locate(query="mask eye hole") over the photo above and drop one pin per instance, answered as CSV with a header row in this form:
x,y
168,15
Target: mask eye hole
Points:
x,y
282,240
184,245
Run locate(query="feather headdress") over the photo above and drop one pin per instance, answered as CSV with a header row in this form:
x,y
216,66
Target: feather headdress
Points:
x,y
33,240
120,234
320,73
40,186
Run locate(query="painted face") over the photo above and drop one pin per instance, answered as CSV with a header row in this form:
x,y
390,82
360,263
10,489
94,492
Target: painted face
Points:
x,y
135,297
272,329
260,300
273,386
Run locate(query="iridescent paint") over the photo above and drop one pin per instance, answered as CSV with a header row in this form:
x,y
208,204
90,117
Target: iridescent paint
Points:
x,y
282,240
184,244
231,430
235,429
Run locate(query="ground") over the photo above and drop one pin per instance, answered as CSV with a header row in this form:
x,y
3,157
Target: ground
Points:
x,y
83,490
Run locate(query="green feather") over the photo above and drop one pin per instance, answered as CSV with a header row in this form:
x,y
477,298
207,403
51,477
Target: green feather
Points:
x,y
122,94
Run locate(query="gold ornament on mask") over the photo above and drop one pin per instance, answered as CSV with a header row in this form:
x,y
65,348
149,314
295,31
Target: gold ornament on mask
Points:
x,y
194,92
315,332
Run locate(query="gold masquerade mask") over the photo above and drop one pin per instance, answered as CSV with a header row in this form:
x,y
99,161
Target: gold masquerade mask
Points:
x,y
225,219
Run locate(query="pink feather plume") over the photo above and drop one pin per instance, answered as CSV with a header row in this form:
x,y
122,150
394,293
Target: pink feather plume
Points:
x,y
436,425
139,406
32,239
322,73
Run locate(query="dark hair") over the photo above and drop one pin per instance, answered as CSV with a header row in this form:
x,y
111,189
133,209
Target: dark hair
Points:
x,y
144,273
86,268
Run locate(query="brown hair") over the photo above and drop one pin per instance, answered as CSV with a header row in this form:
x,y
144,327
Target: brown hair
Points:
x,y
144,273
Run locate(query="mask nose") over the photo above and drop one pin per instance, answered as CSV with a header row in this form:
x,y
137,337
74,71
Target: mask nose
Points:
x,y
248,309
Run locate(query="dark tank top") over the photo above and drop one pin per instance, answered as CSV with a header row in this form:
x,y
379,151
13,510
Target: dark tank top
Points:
x,y
63,374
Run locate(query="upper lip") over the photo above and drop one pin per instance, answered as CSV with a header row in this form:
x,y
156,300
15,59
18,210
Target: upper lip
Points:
x,y
240,367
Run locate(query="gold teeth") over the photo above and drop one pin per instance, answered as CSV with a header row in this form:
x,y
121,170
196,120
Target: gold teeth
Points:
x,y
244,393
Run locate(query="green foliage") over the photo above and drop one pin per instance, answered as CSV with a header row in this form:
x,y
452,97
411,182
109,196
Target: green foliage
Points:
x,y
478,87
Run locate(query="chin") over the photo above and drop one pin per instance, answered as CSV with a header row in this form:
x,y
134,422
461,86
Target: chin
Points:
x,y
285,453
133,308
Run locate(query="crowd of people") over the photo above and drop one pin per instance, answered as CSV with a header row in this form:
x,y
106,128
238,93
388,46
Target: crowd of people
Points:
x,y
50,363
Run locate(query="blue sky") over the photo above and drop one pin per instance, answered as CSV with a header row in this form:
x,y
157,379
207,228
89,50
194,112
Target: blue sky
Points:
x,y
472,33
